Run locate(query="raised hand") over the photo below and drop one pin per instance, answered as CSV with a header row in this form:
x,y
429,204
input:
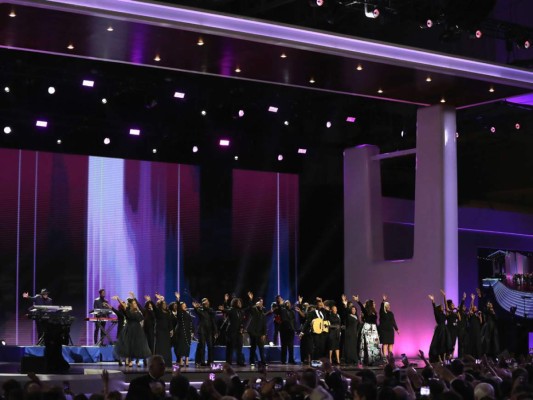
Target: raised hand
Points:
x,y
344,298
442,292
300,299
384,297
177,294
250,295
431,297
355,298
472,296
115,297
226,297
132,295
25,295
147,298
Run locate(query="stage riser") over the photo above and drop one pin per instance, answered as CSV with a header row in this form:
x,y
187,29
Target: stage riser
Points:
x,y
94,354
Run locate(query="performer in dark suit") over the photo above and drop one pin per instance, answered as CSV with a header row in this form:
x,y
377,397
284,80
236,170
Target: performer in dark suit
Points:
x,y
207,332
306,314
234,342
256,328
286,331
41,299
275,310
100,303
150,385
387,327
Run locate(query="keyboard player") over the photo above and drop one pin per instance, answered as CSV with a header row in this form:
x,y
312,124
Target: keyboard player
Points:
x,y
101,309
40,299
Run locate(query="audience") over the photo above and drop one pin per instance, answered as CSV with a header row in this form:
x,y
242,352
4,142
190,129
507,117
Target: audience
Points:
x,y
466,379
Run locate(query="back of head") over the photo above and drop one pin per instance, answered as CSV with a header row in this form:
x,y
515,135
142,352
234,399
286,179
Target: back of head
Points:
x,y
179,386
366,390
309,378
483,390
386,393
457,367
368,376
464,388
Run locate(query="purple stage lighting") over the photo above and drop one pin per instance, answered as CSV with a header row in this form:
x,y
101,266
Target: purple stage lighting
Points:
x,y
350,119
135,132
41,123
273,109
302,151
224,142
179,95
88,83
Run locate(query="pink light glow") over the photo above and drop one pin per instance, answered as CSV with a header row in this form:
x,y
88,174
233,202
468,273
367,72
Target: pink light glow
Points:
x,y
350,119
88,83
179,95
135,132
273,109
41,124
224,142
302,151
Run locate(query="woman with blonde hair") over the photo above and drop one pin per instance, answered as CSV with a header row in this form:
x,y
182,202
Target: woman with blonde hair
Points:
x,y
387,327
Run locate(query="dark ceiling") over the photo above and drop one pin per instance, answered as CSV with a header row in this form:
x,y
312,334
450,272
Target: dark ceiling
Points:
x,y
493,166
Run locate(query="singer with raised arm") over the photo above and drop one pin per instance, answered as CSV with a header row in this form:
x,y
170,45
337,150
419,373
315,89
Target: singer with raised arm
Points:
x,y
40,299
101,309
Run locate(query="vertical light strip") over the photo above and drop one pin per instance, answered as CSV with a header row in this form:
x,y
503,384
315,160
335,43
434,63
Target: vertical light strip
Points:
x,y
178,232
17,284
35,188
277,230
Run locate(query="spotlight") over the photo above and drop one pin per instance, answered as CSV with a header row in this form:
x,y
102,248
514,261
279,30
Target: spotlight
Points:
x,y
204,113
516,126
12,14
7,89
154,151
70,46
238,69
286,123
135,132
316,3
107,141
283,55
104,101
312,80
236,158
200,42
224,142
371,13
179,95
328,124
41,123
3,342
88,83
195,149
273,109
491,89
478,34
527,44
350,119
492,129
59,141
280,157
359,67
443,100
7,130
428,79
110,28
157,58
51,90
429,23
302,151
241,113
402,133
380,91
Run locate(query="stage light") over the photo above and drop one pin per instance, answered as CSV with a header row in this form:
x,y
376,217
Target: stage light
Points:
x,y
491,89
316,3
3,342
236,158
7,130
104,101
41,123
273,109
179,95
51,90
88,83
280,157
402,133
428,79
238,69
107,141
224,142
443,100
157,58
359,67
350,119
527,44
200,42
204,113
371,13
241,113
302,151
457,135
59,141
478,34
135,132
195,149
312,80
154,151
380,91
493,129
286,123
517,126
12,14
110,28
429,23
7,89
328,124
70,46
283,55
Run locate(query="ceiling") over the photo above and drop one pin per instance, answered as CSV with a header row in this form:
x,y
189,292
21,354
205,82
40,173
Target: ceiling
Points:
x,y
139,54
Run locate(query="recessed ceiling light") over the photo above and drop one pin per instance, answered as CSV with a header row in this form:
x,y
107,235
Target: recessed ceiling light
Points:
x,y
154,151
195,149
283,55
491,89
107,141
241,113
59,141
443,100
428,79
12,14
7,130
87,83
273,109
280,157
328,124
380,91
7,89
179,95
70,46
350,119
41,123
104,101
517,126
238,69
110,28
359,67
135,132
200,42
286,123
203,112
493,129
157,58
51,90
236,158
312,80
223,142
